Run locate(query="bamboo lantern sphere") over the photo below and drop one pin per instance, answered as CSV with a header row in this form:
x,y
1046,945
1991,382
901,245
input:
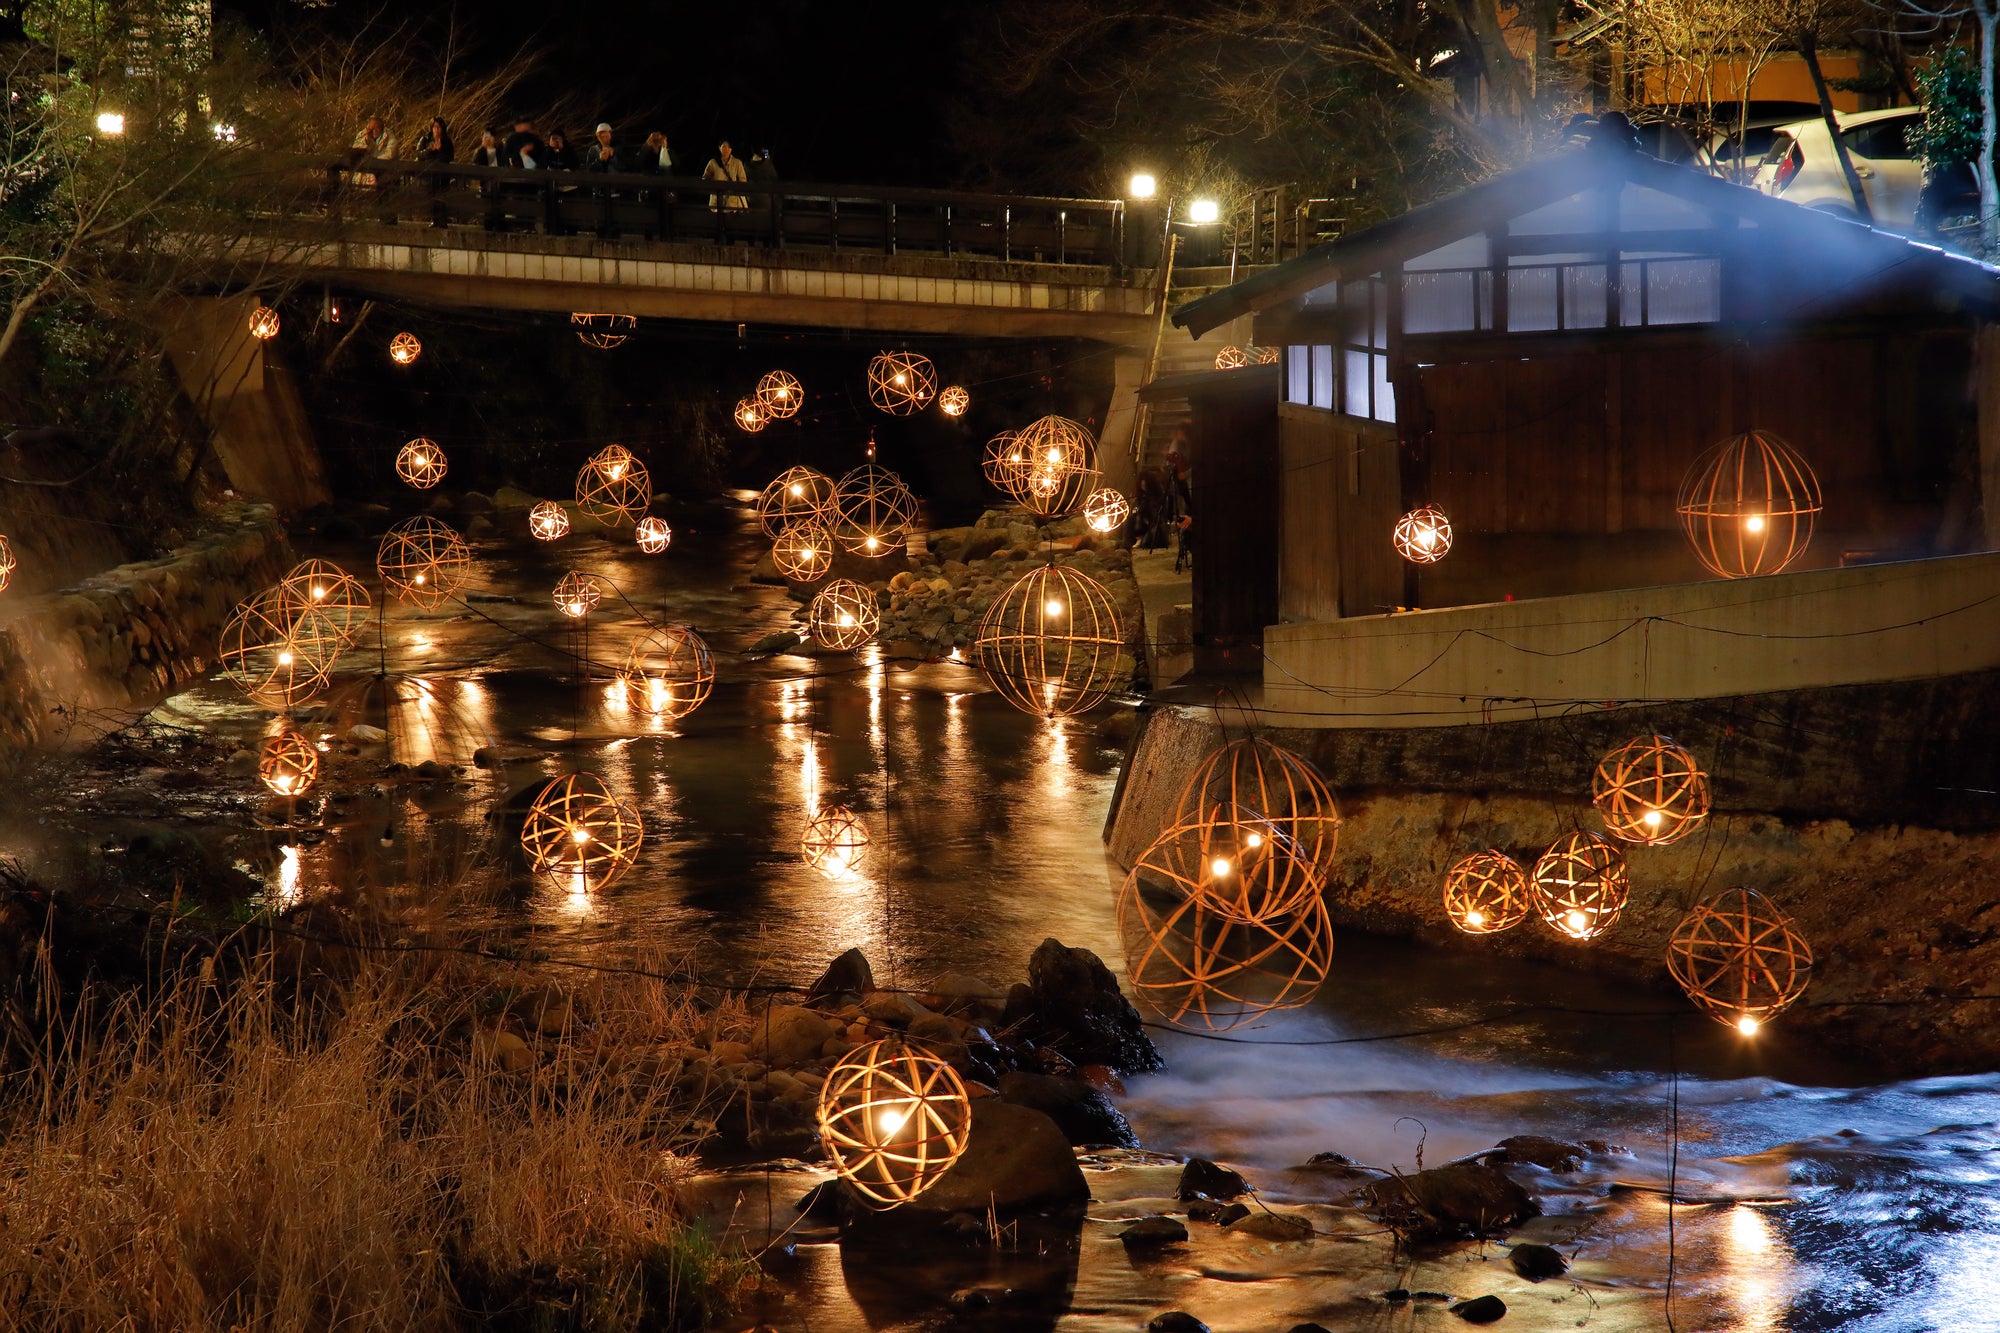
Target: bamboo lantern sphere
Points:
x,y
1050,643
780,394
420,463
954,401
653,535
1106,510
893,1118
1004,457
750,415
803,552
901,383
287,763
1202,972
404,349
1748,505
263,323
1238,863
1650,791
668,671
1058,468
614,486
1261,356
844,615
1231,358
1580,885
834,842
578,833
603,331
548,521
796,495
1486,893
276,653
873,511
322,586
423,561
8,563
1423,536
577,594
1252,774
1739,959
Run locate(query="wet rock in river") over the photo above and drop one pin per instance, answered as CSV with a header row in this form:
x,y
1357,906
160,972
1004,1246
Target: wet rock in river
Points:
x,y
782,641
846,979
1534,1150
1016,1159
1085,1115
1150,1232
1271,1226
1538,1262
1074,1004
1308,1327
1480,1309
1203,1179
1176,1321
1447,1202
1209,1210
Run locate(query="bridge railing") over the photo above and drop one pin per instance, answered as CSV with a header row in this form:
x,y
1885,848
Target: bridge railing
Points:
x,y
782,215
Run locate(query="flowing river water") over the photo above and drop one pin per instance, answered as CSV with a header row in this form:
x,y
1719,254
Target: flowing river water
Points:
x,y
1810,1198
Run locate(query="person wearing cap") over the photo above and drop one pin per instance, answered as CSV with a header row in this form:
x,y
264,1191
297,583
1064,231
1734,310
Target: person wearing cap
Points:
x,y
602,154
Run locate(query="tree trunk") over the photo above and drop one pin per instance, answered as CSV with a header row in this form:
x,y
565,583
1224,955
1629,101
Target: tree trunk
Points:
x,y
1988,12
1809,52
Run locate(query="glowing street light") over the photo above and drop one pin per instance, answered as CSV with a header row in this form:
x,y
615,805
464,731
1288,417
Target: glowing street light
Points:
x,y
1142,186
1204,210
110,122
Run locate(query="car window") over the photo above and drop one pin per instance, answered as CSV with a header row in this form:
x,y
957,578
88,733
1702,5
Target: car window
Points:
x,y
1882,139
1781,145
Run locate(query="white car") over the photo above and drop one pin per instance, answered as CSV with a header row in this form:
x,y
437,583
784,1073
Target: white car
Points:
x,y
1802,167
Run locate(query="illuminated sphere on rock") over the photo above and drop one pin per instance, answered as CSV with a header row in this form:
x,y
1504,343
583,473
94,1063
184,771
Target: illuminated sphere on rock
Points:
x,y
1650,791
577,594
668,671
750,415
873,511
263,323
1748,505
1581,884
287,763
781,394
796,495
1423,536
1058,470
423,561
8,563
834,842
605,332
548,521
578,834
844,615
1050,643
1238,863
803,552
1739,959
1254,775
1106,510
1487,892
1231,358
1004,457
653,535
901,383
614,486
420,463
404,349
276,653
954,401
322,586
893,1119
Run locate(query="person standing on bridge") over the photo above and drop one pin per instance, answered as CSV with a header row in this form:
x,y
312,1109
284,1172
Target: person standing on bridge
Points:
x,y
602,154
435,149
560,157
725,166
524,139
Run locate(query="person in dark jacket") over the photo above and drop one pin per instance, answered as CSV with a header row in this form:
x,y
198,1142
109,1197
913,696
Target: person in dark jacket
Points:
x,y
524,138
602,154
560,156
434,148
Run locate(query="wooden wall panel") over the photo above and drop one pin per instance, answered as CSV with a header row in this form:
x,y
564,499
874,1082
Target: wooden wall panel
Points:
x,y
1311,474
1235,491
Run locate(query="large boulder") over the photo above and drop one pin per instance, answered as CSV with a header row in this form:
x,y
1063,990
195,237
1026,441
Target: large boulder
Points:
x,y
787,1034
846,979
1085,1115
1072,1002
1447,1202
1016,1160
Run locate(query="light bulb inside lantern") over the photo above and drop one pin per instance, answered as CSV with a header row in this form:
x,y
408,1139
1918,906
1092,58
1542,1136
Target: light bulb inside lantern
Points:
x,y
798,489
573,608
1254,840
1427,537
319,593
1017,457
891,1121
423,460
284,659
1747,1026
845,620
901,377
1754,523
810,554
1576,921
1219,866
1475,917
418,579
1052,607
1653,818
580,836
873,543
617,471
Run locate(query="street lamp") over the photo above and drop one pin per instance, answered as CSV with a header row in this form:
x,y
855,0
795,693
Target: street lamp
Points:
x,y
110,122
1143,186
1204,210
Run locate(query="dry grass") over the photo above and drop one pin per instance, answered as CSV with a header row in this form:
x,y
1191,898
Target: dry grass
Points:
x,y
224,1157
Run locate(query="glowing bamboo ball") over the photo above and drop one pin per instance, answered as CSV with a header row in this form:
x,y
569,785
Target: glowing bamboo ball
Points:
x,y
423,561
834,842
1487,892
577,594
954,401
1242,867
1261,356
750,415
322,586
893,1118
1423,536
578,834
421,463
1252,774
1748,505
803,552
8,563
873,511
1106,510
1201,971
796,495
1050,643
263,323
614,487
1004,457
287,763
1231,358
1739,959
548,521
1580,885
780,394
1651,791
1058,467
668,671
901,383
603,331
404,349
277,653
653,535
844,615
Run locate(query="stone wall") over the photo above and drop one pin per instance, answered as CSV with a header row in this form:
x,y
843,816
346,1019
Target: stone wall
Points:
x,y
1899,914
127,637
